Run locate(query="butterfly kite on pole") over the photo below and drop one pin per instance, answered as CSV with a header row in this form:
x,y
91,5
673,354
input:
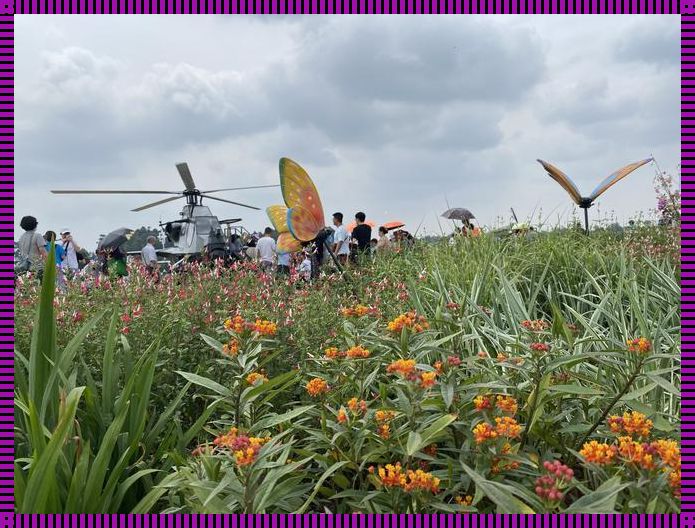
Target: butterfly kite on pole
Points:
x,y
301,218
587,201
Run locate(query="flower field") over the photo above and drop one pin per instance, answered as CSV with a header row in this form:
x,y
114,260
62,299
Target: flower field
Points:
x,y
510,376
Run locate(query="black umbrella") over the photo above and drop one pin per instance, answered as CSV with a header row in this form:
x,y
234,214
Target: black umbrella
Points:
x,y
115,238
457,213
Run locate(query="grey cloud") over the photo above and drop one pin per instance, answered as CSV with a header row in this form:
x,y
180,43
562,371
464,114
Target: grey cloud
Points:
x,y
654,41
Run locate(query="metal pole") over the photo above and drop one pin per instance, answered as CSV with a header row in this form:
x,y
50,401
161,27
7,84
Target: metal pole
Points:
x,y
335,259
586,220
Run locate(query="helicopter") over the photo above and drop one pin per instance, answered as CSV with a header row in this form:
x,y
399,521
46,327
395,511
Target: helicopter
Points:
x,y
198,232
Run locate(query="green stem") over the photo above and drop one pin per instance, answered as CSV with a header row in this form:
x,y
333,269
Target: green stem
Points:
x,y
534,404
615,400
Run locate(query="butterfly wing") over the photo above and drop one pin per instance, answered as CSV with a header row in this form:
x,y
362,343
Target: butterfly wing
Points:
x,y
288,244
303,224
616,177
562,178
278,217
299,191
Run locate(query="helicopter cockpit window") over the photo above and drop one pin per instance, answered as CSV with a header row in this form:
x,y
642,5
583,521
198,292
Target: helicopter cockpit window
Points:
x,y
173,231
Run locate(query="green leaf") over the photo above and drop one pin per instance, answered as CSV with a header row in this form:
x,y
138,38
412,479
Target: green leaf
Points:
x,y
206,383
501,494
276,419
42,475
602,500
576,389
665,384
335,467
427,435
638,393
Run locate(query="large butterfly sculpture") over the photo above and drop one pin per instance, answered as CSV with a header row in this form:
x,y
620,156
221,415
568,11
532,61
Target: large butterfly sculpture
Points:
x,y
587,201
301,218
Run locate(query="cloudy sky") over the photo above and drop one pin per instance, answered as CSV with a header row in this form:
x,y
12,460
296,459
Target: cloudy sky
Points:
x,y
393,115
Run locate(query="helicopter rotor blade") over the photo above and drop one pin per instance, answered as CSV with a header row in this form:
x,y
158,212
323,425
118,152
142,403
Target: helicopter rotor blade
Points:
x,y
185,174
153,204
231,202
241,188
84,191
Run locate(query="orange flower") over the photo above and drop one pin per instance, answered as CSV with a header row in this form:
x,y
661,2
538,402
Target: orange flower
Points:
x,y
539,347
256,378
507,404
404,367
356,311
438,366
507,426
384,416
244,448
235,324
630,423
231,348
384,431
357,407
391,476
668,451
428,380
464,501
482,402
357,352
537,325
598,453
641,345
501,357
410,320
484,431
333,352
317,386
263,327
634,453
674,480
342,416
421,481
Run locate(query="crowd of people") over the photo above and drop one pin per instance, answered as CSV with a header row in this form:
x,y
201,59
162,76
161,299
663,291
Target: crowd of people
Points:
x,y
335,244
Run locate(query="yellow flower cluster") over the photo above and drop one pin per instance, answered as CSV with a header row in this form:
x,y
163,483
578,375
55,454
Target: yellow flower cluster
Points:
x,y
404,367
464,501
245,449
641,345
235,324
410,320
507,404
482,402
507,426
392,476
333,353
483,432
598,453
358,310
342,416
428,379
231,348
256,378
635,453
263,327
357,407
630,423
383,418
317,386
357,352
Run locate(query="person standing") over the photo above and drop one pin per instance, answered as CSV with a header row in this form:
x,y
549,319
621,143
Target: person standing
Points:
x,y
304,268
266,250
362,234
283,264
383,244
31,248
71,248
149,256
50,237
341,239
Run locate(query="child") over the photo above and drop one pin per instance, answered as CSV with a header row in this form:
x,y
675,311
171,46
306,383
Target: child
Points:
x,y
304,268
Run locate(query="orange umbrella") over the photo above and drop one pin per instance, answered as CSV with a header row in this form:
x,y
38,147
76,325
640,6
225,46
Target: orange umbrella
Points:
x,y
394,224
353,225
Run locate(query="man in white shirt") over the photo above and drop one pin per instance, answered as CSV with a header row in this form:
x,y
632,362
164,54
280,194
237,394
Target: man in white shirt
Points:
x,y
266,250
149,255
341,239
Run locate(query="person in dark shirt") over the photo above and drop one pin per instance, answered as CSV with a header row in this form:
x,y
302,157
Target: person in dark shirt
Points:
x,y
362,234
